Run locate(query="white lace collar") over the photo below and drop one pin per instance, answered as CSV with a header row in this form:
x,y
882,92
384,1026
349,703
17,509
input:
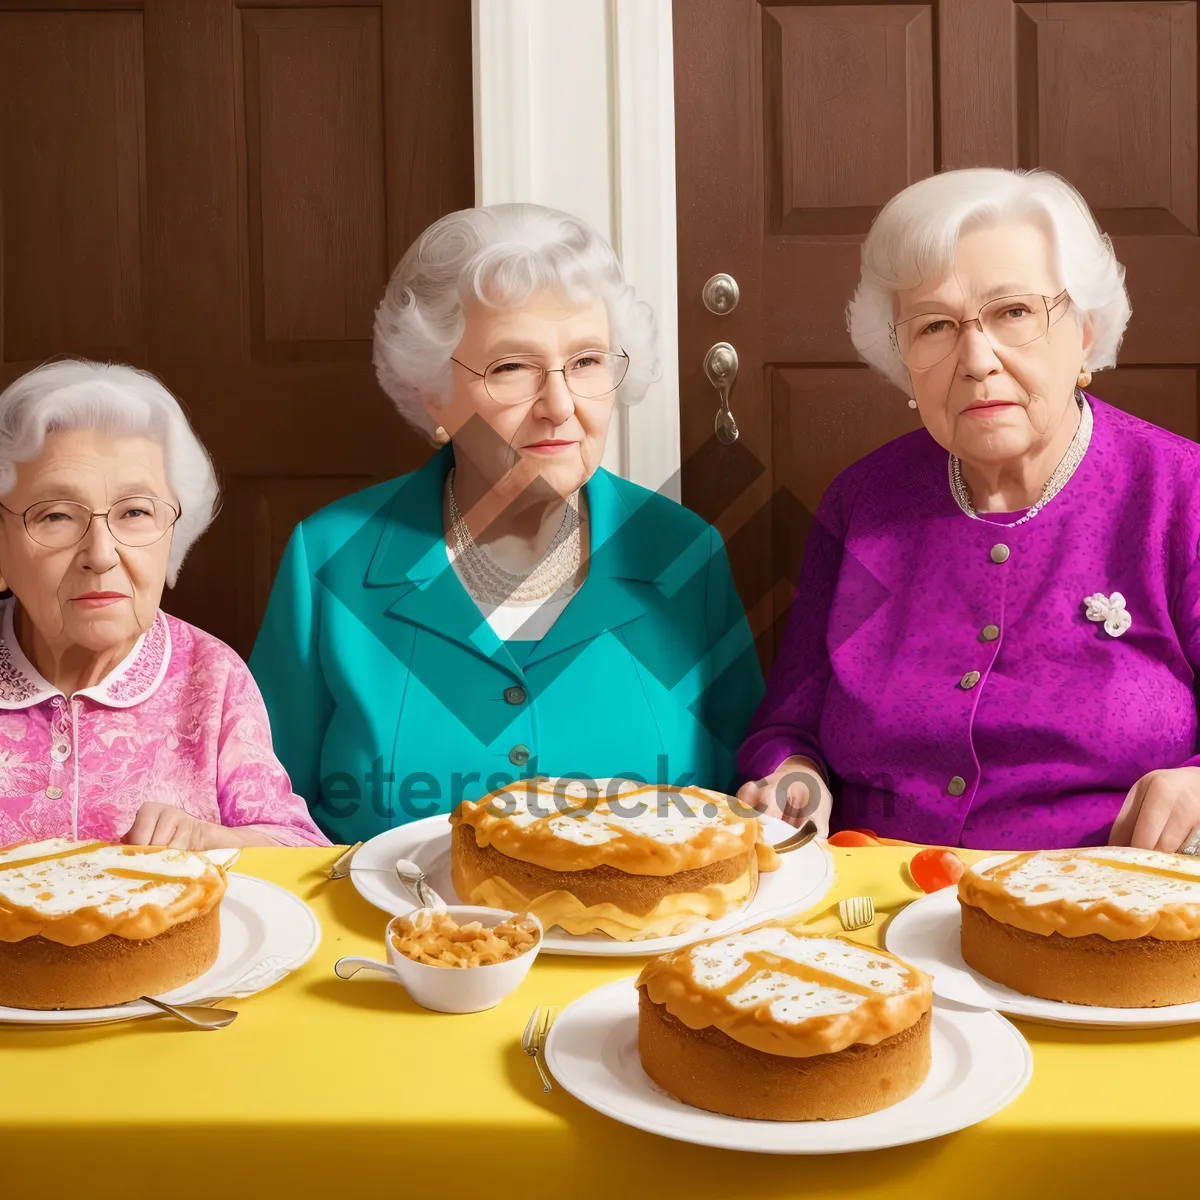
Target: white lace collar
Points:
x,y
133,679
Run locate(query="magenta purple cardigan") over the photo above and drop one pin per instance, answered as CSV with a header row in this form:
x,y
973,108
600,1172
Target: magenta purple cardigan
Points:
x,y
874,679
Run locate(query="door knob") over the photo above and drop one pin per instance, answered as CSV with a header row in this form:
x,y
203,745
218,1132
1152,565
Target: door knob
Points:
x,y
720,294
721,367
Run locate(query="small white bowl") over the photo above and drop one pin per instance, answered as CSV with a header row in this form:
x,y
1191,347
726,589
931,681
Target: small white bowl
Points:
x,y
450,989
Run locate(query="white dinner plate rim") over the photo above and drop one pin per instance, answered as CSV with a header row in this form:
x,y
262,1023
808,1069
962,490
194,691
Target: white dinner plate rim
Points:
x,y
942,1012
114,1014
567,944
1035,1009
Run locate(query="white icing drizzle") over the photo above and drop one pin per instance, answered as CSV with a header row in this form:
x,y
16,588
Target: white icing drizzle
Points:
x,y
715,965
66,885
665,816
1083,878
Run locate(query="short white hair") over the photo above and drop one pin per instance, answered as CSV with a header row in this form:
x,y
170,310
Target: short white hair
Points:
x,y
914,239
76,394
501,255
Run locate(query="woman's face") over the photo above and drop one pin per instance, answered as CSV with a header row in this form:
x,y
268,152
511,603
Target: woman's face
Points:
x,y
988,402
551,441
97,593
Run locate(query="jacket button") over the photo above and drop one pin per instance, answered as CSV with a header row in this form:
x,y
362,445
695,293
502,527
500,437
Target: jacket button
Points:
x,y
518,756
1000,553
990,633
514,695
957,786
969,680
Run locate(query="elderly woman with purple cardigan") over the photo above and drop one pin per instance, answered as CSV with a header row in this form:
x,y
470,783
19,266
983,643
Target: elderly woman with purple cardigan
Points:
x,y
996,633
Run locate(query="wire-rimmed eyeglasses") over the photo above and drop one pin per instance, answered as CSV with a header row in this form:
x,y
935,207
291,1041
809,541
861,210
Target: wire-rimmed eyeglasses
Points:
x,y
133,521
927,339
589,375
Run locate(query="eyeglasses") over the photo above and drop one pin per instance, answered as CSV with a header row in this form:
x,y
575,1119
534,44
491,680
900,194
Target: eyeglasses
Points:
x,y
589,375
134,521
1011,321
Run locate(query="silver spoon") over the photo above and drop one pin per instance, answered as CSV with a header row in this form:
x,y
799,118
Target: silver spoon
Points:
x,y
413,877
801,837
195,1015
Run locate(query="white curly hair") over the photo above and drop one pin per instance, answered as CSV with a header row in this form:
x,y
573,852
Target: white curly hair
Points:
x,y
74,393
501,255
915,235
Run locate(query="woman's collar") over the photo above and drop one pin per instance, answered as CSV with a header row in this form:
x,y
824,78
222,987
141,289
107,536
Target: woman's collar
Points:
x,y
136,677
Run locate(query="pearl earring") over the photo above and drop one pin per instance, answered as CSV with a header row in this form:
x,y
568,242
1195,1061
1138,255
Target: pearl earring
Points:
x,y
440,435
1085,377
912,404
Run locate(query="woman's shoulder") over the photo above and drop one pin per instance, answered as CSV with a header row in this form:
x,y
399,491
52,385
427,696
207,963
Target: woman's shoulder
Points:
x,y
654,508
330,527
1144,444
355,509
650,535
194,651
891,475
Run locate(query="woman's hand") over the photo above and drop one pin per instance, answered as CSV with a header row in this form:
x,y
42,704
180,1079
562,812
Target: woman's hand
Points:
x,y
1160,812
794,791
166,825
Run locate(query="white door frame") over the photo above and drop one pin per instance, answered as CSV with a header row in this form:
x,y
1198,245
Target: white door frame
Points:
x,y
575,108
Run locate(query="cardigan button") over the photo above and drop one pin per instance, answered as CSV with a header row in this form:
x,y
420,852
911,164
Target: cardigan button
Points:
x,y
990,633
53,792
514,695
1000,553
969,680
957,786
518,756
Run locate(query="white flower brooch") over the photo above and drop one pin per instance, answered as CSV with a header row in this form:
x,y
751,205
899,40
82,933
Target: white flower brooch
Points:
x,y
1110,610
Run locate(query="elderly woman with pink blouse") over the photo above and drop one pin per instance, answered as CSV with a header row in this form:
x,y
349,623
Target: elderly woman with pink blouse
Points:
x,y
118,722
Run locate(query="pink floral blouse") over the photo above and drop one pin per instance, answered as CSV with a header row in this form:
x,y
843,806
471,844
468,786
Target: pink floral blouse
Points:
x,y
180,721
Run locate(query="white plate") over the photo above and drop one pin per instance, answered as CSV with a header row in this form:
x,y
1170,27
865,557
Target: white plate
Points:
x,y
980,1064
803,878
266,933
927,934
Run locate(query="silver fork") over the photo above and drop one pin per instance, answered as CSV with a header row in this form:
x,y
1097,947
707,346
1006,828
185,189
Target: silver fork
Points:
x,y
533,1040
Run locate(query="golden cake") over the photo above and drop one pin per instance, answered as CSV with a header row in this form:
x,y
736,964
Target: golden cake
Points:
x,y
1106,925
610,856
782,1026
89,924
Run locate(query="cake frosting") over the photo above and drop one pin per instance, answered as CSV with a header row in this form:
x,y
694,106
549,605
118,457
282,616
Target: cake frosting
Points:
x,y
73,893
786,993
1115,891
567,825
674,913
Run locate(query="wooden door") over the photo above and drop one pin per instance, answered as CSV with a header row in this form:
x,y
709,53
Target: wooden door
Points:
x,y
797,121
218,192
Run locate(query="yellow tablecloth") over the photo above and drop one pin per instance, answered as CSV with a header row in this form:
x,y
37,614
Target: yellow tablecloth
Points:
x,y
324,1086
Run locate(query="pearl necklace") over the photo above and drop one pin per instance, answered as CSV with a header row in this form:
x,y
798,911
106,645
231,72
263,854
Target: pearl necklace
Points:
x,y
1055,484
491,585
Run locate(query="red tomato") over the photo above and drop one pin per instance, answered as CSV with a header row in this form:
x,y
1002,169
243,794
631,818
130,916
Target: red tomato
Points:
x,y
852,837
866,833
935,869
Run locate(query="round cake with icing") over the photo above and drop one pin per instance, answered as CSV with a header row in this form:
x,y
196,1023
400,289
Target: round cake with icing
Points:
x,y
1106,925
776,1025
608,856
89,924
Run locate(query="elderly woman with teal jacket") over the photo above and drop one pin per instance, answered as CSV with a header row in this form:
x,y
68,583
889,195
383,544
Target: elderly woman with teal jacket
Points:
x,y
510,609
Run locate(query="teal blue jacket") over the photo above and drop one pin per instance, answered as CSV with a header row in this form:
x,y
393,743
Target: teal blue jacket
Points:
x,y
391,698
